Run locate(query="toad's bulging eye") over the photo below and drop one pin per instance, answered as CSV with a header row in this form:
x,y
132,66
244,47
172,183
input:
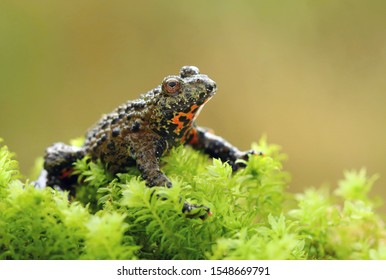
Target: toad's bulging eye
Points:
x,y
172,85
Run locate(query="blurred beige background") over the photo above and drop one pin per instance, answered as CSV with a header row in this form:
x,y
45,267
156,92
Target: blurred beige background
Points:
x,y
308,74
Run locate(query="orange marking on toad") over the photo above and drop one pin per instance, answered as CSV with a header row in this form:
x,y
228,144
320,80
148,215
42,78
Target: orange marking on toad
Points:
x,y
189,115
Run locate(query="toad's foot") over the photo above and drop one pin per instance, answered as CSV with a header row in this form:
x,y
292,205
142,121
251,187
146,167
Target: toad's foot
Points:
x,y
243,156
196,211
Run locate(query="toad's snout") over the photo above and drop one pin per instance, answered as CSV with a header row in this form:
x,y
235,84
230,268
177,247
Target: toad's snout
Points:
x,y
211,87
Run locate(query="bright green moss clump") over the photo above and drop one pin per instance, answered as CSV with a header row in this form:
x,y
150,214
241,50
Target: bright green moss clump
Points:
x,y
254,217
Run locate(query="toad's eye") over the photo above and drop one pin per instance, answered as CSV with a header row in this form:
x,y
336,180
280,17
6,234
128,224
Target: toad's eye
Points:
x,y
172,85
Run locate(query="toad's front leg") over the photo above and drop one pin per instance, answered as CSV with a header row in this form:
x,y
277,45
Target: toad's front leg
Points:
x,y
217,147
147,155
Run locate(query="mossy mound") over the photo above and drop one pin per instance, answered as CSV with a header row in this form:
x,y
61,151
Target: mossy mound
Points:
x,y
254,216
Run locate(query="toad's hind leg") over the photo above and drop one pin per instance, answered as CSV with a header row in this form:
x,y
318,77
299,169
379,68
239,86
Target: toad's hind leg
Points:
x,y
58,166
217,147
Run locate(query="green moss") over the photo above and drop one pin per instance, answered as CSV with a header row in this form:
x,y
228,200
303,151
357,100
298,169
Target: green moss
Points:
x,y
254,217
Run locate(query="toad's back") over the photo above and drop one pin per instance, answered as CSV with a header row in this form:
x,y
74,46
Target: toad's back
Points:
x,y
110,139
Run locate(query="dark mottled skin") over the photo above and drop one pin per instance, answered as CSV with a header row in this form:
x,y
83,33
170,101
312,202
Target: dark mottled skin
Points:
x,y
141,131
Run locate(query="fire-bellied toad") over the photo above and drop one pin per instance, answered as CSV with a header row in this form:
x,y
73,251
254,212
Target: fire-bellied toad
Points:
x,y
141,131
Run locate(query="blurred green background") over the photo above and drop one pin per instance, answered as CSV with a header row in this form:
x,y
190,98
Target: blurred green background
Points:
x,y
308,74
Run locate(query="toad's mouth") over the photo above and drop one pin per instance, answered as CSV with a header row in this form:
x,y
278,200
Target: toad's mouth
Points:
x,y
205,97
